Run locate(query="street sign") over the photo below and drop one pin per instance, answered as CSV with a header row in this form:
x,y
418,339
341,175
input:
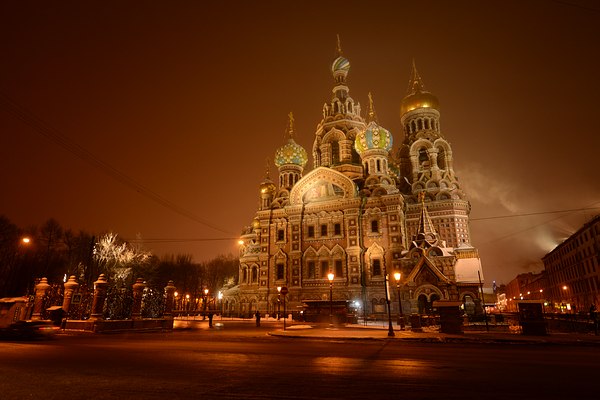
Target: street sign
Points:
x,y
284,290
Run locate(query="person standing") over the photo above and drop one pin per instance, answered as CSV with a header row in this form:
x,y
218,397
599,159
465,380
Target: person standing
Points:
x,y
257,316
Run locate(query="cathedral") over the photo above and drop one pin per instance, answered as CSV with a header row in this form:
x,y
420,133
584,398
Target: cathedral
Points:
x,y
367,211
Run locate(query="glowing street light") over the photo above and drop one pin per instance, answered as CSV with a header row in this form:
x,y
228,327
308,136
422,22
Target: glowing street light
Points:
x,y
26,240
397,276
205,301
330,276
278,302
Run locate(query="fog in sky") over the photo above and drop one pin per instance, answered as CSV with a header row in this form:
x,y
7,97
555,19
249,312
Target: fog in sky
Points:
x,y
155,119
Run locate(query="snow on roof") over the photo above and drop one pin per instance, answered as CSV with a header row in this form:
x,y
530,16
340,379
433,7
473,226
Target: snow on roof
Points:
x,y
466,270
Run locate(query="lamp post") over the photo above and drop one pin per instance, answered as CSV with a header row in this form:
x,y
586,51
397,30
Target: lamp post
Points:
x,y
330,276
278,301
205,300
397,276
284,291
389,312
220,296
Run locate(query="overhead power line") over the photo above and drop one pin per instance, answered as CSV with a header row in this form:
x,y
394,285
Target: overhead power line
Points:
x,y
43,128
534,213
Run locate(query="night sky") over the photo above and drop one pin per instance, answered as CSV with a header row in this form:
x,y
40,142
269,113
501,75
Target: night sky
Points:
x,y
173,107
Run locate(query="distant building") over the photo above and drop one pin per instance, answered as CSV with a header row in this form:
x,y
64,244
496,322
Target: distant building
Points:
x,y
528,286
573,270
364,212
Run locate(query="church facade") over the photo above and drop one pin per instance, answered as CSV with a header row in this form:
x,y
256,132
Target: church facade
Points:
x,y
364,212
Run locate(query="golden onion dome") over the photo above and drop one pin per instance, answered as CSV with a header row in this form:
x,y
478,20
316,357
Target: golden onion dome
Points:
x,y
417,96
267,186
256,223
419,99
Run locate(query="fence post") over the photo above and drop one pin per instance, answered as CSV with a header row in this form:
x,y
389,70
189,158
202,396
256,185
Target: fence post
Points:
x,y
100,287
138,292
70,286
40,292
169,298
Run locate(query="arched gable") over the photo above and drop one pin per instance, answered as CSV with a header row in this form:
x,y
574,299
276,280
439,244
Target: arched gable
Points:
x,y
322,184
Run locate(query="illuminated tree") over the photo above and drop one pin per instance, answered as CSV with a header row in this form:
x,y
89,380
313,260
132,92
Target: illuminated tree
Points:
x,y
117,259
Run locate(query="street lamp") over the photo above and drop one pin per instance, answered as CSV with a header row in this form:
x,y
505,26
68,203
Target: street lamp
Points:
x,y
330,276
220,296
205,300
397,276
278,301
389,311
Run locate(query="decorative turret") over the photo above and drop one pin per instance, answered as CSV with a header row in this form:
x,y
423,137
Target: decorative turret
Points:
x,y
334,142
419,110
373,145
426,235
290,159
267,191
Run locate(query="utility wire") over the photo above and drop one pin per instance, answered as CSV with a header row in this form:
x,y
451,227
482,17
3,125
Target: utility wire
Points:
x,y
57,137
533,213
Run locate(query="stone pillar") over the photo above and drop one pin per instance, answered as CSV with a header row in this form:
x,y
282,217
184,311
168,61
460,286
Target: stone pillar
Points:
x,y
169,298
138,293
70,286
40,292
100,287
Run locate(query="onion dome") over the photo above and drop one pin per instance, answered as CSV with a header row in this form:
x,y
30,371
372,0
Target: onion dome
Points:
x,y
267,186
340,65
256,223
374,136
291,152
417,96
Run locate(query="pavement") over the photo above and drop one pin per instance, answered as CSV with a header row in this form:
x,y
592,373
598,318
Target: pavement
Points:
x,y
432,335
380,331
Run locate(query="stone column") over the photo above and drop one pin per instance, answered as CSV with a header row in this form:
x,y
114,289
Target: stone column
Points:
x,y
70,286
40,292
169,298
138,292
100,287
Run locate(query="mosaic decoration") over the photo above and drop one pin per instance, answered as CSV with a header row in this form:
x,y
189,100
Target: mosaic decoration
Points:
x,y
291,153
373,137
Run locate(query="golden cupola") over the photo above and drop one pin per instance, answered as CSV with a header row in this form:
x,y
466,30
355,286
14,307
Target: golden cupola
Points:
x,y
417,96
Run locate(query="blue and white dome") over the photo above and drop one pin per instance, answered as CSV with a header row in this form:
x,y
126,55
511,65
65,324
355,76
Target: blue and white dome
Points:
x,y
373,137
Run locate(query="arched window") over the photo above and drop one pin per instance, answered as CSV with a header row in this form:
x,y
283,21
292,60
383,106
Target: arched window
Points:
x,y
254,274
335,153
375,226
441,158
423,156
376,267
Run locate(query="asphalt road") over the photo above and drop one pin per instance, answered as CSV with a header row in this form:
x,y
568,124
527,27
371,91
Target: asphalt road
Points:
x,y
243,362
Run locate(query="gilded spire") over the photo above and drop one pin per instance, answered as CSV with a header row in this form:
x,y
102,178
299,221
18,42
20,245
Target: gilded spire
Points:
x,y
415,84
291,125
268,168
372,114
339,45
